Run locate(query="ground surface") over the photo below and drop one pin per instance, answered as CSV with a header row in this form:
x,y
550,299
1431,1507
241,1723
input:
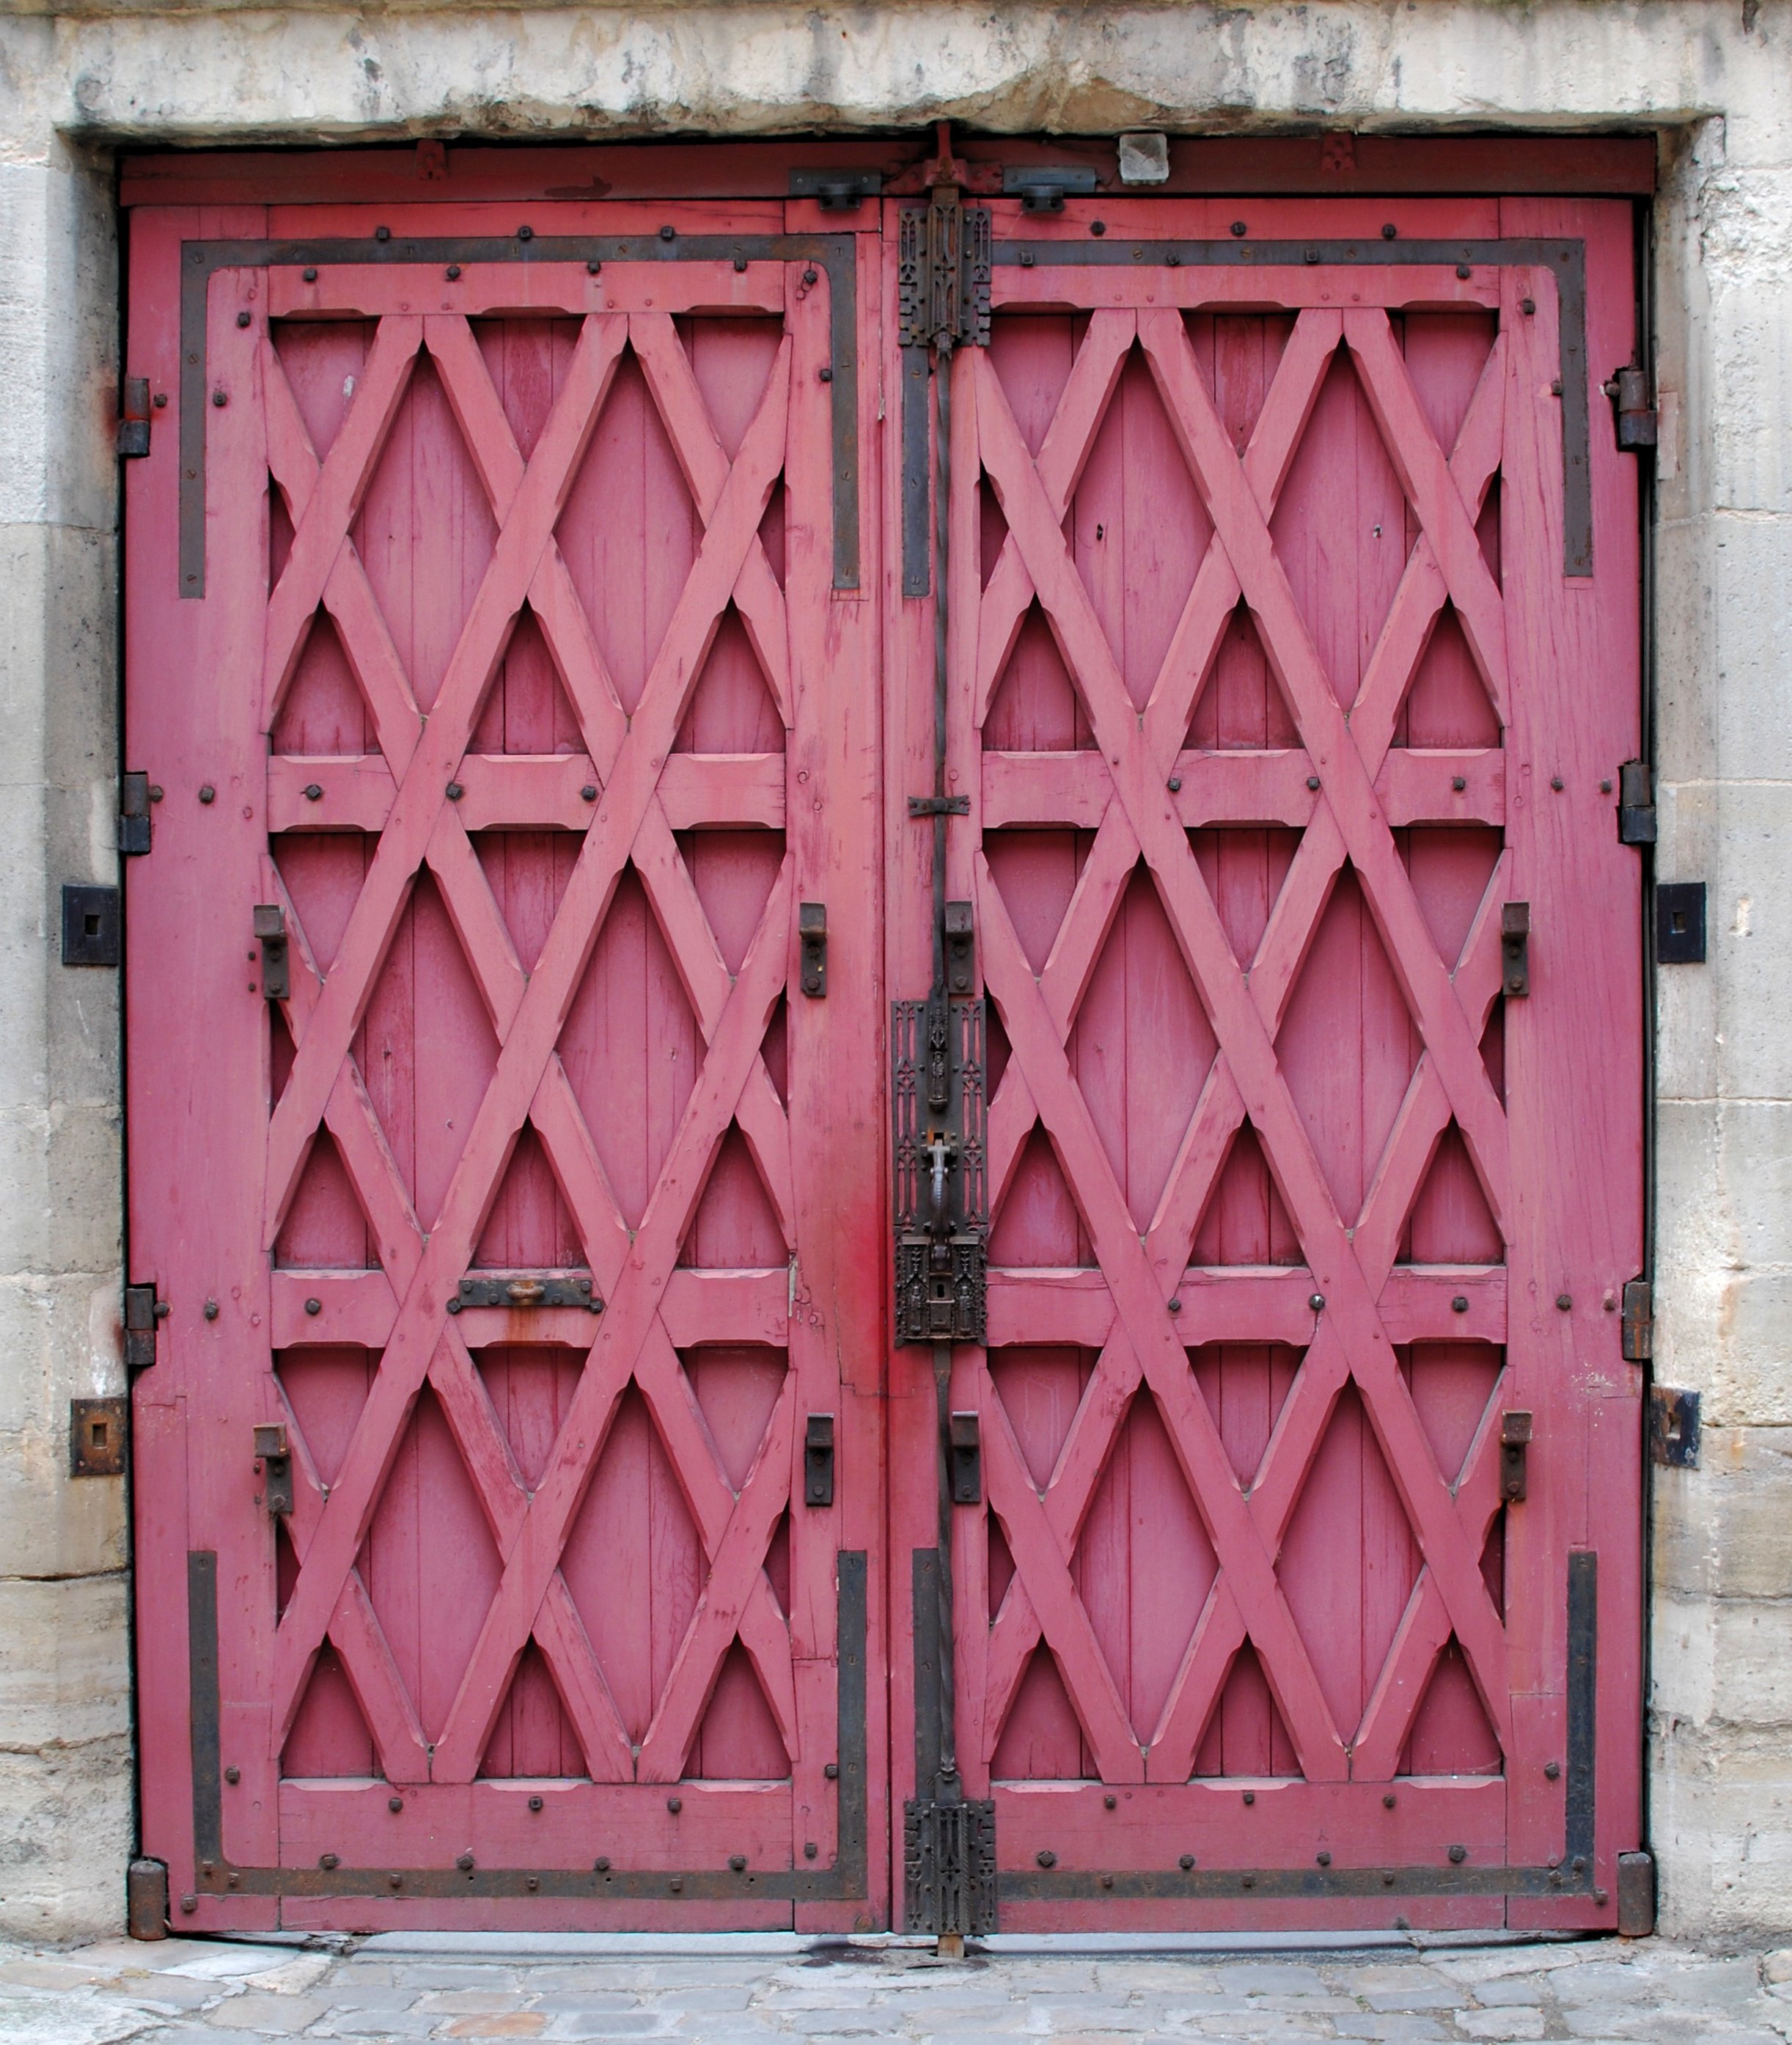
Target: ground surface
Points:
x,y
192,1993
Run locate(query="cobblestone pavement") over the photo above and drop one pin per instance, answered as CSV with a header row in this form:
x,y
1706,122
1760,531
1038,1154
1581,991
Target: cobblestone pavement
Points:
x,y
193,1992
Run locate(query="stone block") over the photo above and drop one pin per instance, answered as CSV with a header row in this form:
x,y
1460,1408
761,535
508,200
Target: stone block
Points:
x,y
1721,1815
65,1834
64,1662
1725,1529
1722,1661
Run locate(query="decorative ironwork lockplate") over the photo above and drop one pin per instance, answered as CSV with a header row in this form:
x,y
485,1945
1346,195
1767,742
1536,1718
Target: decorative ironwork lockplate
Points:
x,y
936,1055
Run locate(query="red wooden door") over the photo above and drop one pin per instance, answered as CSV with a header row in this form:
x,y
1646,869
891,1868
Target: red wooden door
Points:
x,y
1292,592
509,1475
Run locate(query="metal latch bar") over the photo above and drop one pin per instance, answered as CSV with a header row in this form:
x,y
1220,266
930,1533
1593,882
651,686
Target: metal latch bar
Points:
x,y
1515,947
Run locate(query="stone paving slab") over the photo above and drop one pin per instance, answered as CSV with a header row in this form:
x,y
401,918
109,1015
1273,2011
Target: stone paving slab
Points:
x,y
198,1992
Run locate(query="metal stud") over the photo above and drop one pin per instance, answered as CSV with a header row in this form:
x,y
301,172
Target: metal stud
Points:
x,y
737,1862
1185,1862
208,793
1459,1854
1316,1301
395,1804
1459,1304
314,1307
534,1803
1046,1857
211,1310
233,1774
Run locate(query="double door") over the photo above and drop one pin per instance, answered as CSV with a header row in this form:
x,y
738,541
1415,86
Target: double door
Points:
x,y
820,1257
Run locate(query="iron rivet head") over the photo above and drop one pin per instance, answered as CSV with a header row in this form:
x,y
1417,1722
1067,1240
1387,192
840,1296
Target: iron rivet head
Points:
x,y
601,1864
233,1774
1108,1803
314,1306
1247,1882
810,276
1313,783
1555,386
452,273
1250,1796
1459,1304
395,1882
525,234
1172,259
314,792
1388,1800
588,793
677,1885
326,1861
454,1305
594,268
1529,306
1324,1859
1107,1882
737,1862
675,1804
534,1803
668,234
1176,784
826,374
1389,230
531,1882
1027,259
161,400
465,1862
382,234
1316,1301
1459,1854
242,319
310,276
1238,229
1098,228
1599,1897
156,792
455,791
211,1310
832,1771
1579,1865
1552,1770
1176,1306
220,398
235,1881
1459,782
189,1903
1555,783
1564,1300
208,793
1462,270
1046,1857
394,1803
1387,1879
1312,256
1185,1862
1604,788
810,1849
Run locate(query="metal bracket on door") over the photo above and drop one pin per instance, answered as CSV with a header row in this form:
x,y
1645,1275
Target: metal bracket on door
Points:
x,y
942,1192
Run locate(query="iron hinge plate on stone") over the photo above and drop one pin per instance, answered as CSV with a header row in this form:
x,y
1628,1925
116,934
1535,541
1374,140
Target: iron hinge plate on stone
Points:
x,y
1673,1426
97,1432
1636,1325
92,925
1636,804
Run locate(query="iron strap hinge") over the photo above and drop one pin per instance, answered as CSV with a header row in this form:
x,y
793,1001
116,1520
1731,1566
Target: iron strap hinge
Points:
x,y
944,262
143,1314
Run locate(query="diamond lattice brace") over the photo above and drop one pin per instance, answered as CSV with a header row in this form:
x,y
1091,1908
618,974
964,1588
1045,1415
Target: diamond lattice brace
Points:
x,y
527,1013
1350,1342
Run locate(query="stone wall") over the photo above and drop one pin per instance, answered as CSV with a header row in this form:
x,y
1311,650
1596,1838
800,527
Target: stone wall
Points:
x,y
78,82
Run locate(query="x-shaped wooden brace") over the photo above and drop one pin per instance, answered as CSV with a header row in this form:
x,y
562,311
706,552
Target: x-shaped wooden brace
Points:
x,y
1034,498
528,1012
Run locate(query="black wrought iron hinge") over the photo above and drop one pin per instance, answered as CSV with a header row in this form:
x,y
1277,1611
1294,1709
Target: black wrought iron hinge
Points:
x,y
1636,1324
143,1314
135,795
